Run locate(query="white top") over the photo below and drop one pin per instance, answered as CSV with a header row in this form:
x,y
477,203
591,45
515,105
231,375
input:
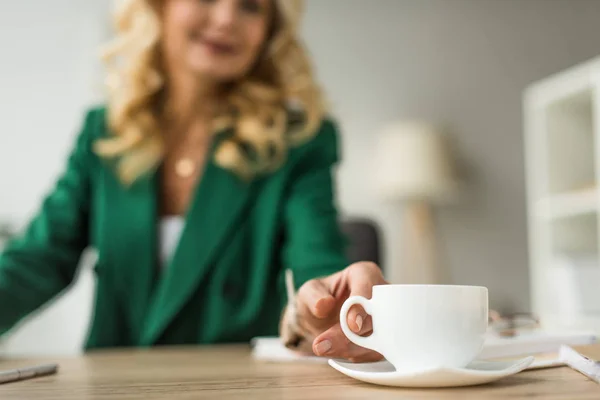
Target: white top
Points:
x,y
170,232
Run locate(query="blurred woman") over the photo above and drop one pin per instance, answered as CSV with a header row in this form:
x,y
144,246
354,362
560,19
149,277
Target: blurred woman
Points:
x,y
205,176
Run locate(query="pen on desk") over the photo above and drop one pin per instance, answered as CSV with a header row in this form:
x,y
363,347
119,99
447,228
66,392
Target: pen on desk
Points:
x,y
20,374
580,363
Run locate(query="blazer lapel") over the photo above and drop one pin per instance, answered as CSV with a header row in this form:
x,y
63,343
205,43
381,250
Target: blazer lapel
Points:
x,y
215,210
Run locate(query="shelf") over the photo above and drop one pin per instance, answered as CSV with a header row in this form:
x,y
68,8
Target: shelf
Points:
x,y
562,149
567,204
574,235
564,84
570,160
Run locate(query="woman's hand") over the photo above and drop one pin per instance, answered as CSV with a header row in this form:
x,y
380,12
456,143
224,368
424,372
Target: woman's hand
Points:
x,y
318,304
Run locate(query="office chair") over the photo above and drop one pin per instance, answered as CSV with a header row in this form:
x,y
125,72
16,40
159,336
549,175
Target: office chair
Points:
x,y
364,240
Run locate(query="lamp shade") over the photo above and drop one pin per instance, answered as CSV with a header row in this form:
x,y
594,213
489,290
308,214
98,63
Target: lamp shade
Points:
x,y
413,161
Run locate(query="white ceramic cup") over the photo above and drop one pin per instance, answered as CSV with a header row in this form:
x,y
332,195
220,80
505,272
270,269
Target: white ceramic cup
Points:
x,y
420,327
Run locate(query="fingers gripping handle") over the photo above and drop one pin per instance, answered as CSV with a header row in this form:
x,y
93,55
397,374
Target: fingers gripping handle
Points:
x,y
366,342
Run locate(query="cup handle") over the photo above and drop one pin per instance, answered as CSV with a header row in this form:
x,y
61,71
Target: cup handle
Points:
x,y
367,342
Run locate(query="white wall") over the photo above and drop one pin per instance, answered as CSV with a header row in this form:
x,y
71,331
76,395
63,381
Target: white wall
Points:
x,y
464,62
48,74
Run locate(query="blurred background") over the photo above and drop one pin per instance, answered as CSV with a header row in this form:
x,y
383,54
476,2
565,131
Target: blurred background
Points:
x,y
466,64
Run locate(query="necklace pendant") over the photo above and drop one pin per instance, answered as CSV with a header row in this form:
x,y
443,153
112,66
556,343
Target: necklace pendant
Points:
x,y
184,168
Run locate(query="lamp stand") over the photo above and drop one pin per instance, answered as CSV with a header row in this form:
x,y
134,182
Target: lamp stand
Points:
x,y
420,264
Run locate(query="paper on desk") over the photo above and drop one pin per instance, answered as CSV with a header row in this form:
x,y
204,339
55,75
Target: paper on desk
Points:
x,y
271,349
534,342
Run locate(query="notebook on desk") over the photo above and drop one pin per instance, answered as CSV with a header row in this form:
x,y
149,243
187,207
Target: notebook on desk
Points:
x,y
534,342
544,345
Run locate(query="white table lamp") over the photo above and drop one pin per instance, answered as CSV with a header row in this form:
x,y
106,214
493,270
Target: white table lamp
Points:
x,y
414,166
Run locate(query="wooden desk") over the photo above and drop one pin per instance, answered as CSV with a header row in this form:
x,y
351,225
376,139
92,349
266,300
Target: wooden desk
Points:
x,y
230,373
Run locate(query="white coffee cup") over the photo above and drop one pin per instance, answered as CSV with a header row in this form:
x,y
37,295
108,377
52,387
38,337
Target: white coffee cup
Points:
x,y
420,327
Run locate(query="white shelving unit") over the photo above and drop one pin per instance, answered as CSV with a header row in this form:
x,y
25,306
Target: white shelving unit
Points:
x,y
562,148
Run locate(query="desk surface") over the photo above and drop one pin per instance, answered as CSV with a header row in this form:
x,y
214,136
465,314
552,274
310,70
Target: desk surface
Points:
x,y
230,373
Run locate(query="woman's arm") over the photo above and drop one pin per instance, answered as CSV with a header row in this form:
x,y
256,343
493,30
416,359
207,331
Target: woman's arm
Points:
x,y
40,263
314,246
315,255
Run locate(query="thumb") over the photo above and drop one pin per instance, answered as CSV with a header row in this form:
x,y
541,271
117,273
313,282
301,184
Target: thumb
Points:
x,y
316,297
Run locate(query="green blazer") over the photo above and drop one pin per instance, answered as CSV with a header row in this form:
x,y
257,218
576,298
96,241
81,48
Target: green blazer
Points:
x,y
225,279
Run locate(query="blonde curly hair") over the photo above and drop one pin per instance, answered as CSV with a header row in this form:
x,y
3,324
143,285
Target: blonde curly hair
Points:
x,y
257,110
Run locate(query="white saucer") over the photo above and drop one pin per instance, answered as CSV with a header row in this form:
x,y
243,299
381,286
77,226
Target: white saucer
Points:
x,y
476,373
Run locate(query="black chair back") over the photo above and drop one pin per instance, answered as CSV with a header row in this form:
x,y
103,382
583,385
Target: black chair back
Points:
x,y
364,241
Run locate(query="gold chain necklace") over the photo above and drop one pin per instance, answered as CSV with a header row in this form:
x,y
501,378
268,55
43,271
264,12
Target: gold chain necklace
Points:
x,y
185,167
